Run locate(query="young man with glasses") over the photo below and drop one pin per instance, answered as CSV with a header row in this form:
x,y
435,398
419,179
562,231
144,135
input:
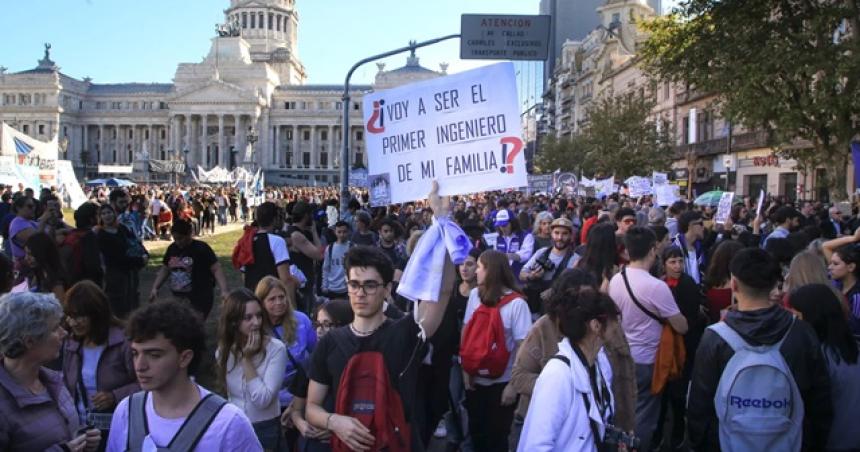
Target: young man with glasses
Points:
x,y
370,273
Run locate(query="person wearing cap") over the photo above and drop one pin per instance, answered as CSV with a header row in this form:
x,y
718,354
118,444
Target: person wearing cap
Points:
x,y
517,244
542,268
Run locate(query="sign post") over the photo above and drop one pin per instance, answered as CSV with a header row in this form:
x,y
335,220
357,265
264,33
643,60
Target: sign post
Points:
x,y
504,37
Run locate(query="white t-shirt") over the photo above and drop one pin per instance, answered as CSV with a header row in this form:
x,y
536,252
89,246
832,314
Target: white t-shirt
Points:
x,y
230,431
89,367
155,207
516,319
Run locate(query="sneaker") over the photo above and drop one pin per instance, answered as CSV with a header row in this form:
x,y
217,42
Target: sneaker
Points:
x,y
441,431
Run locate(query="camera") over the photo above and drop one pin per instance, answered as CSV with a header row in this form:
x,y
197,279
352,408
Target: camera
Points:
x,y
544,262
615,437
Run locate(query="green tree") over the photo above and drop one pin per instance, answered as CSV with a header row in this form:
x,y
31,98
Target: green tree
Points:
x,y
566,154
621,138
788,67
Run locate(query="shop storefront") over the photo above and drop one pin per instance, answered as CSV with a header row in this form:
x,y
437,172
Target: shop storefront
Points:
x,y
765,170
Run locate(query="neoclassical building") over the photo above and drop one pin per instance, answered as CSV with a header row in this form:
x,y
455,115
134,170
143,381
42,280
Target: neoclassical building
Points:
x,y
250,89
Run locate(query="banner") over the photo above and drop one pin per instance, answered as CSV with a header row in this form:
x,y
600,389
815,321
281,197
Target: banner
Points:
x,y
566,183
115,169
855,156
540,183
725,208
462,130
666,194
167,166
605,187
36,161
659,178
639,186
68,186
358,177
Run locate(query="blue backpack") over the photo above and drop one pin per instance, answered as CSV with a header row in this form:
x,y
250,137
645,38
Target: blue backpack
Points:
x,y
757,402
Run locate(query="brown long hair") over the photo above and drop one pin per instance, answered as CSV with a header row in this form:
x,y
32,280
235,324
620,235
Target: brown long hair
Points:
x,y
230,340
87,299
497,279
263,289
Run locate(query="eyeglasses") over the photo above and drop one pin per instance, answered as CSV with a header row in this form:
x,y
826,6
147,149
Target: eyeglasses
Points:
x,y
370,287
324,325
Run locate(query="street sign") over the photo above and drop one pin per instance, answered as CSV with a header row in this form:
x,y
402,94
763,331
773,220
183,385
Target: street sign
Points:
x,y
504,37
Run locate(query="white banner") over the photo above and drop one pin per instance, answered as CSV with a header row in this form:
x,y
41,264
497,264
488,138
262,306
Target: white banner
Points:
x,y
36,161
68,185
462,130
666,194
115,169
605,187
659,178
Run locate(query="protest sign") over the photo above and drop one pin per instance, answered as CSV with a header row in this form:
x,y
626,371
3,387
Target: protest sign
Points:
x,y
666,194
358,177
68,186
760,203
462,130
639,186
491,240
35,161
380,190
605,187
659,178
540,183
567,183
724,209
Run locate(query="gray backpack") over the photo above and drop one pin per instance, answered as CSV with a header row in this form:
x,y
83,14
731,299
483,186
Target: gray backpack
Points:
x,y
757,402
189,434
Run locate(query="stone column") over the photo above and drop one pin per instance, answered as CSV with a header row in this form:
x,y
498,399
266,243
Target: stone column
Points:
x,y
276,144
85,144
221,147
101,153
151,148
242,144
117,145
189,134
331,148
204,141
297,155
314,150
265,132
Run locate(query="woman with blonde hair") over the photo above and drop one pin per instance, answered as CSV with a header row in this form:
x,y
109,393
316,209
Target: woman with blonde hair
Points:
x,y
290,326
250,364
806,268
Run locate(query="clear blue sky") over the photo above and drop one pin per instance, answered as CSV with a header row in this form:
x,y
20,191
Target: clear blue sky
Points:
x,y
116,41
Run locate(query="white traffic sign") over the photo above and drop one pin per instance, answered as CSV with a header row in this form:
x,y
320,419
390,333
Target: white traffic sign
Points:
x,y
504,37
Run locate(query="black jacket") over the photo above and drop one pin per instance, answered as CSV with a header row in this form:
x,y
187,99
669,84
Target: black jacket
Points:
x,y
802,352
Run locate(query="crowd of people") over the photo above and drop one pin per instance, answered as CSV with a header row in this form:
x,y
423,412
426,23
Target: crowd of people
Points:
x,y
490,322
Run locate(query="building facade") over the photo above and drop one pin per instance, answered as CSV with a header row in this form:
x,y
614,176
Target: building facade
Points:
x,y
246,104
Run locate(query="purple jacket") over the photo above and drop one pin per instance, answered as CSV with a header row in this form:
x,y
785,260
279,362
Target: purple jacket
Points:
x,y
36,421
115,371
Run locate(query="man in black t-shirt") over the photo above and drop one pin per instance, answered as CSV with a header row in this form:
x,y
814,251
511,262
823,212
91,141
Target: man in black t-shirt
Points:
x,y
191,268
369,274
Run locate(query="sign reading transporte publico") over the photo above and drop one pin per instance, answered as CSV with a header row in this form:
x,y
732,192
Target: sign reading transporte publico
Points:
x,y
504,37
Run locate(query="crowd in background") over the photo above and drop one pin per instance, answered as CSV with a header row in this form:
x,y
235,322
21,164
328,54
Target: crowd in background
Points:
x,y
563,323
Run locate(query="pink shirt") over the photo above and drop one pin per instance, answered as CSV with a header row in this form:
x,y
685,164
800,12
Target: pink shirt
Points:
x,y
643,332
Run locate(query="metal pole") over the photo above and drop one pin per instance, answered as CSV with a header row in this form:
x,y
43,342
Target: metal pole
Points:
x,y
729,152
344,160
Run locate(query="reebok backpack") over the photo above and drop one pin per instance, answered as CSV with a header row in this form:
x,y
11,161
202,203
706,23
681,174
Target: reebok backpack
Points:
x,y
757,402
483,351
365,393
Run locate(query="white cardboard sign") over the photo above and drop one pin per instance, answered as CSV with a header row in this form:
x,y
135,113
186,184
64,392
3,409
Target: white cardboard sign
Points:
x,y
725,208
462,130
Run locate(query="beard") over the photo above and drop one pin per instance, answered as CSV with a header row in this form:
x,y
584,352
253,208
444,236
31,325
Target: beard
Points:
x,y
560,245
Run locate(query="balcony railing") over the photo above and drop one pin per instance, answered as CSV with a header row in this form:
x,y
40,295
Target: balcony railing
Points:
x,y
740,142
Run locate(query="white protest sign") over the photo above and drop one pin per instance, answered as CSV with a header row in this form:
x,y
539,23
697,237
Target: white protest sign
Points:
x,y
666,194
462,130
659,178
605,187
639,186
725,207
760,203
491,239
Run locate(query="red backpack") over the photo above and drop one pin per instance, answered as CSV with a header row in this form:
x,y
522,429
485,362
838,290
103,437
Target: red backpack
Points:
x,y
365,392
483,351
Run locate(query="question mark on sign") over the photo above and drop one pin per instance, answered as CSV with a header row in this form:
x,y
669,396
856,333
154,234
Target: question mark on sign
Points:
x,y
508,157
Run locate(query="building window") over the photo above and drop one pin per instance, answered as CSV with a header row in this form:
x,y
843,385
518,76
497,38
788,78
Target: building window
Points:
x,y
303,105
290,105
41,129
116,105
324,135
359,136
163,134
244,20
146,134
65,131
130,134
271,22
162,105
306,159
666,88
25,128
113,155
306,135
324,159
260,21
359,158
253,20
355,106
338,105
